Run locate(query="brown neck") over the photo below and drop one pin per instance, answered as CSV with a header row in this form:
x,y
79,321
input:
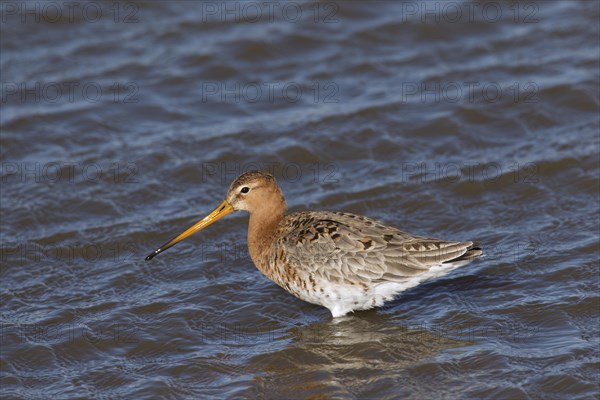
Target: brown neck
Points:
x,y
262,229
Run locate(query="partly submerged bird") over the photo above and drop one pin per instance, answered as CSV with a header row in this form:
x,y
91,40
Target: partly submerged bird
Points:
x,y
341,261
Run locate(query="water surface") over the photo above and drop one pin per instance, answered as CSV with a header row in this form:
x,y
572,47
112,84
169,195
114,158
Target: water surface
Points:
x,y
123,123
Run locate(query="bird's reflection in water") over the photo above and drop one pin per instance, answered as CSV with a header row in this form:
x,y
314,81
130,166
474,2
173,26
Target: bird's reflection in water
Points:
x,y
349,356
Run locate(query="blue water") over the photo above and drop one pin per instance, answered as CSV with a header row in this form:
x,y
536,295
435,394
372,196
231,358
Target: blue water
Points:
x,y
124,123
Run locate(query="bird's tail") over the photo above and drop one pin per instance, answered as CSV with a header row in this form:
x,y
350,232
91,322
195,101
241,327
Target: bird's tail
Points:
x,y
472,253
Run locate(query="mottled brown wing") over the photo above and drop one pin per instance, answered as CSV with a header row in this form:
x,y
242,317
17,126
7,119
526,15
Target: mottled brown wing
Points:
x,y
341,247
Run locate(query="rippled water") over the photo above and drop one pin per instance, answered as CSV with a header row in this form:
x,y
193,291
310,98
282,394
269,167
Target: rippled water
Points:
x,y
122,123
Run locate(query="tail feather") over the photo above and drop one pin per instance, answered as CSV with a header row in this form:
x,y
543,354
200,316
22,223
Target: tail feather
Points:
x,y
472,252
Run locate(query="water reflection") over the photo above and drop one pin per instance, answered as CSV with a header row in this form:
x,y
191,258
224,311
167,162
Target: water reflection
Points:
x,y
339,356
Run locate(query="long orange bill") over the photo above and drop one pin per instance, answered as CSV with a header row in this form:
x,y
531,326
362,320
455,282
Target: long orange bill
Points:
x,y
219,212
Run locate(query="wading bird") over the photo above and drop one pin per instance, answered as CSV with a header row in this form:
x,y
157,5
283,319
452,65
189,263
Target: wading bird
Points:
x,y
341,261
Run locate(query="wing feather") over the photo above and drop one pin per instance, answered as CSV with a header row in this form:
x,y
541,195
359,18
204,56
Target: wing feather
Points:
x,y
341,246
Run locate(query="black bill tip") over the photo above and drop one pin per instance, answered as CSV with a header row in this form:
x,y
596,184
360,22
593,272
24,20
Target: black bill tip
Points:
x,y
151,255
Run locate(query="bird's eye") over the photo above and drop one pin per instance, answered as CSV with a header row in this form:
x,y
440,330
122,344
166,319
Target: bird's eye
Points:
x,y
245,189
